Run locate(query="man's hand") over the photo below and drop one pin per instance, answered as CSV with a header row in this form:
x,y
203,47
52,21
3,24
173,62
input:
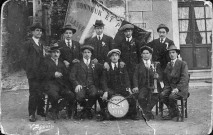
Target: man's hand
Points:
x,y
175,91
156,76
106,66
122,64
162,84
135,90
67,64
75,61
58,74
95,61
78,88
105,96
129,90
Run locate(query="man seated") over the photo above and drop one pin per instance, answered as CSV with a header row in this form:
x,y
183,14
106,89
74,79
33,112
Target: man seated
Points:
x,y
143,82
85,77
55,82
116,81
176,82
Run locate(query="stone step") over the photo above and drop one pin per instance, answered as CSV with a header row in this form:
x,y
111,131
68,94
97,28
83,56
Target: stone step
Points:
x,y
204,74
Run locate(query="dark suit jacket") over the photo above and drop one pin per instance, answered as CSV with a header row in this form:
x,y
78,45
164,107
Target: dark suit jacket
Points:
x,y
32,58
139,77
70,54
130,53
109,83
48,70
159,51
79,72
177,77
101,48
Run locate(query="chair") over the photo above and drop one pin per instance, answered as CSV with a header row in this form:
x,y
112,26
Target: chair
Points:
x,y
48,105
182,107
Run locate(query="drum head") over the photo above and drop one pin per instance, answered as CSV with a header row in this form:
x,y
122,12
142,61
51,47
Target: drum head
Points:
x,y
117,109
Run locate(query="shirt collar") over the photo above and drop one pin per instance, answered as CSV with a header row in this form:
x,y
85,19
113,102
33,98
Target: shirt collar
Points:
x,y
85,60
174,60
129,39
66,41
36,40
149,61
101,36
163,40
113,65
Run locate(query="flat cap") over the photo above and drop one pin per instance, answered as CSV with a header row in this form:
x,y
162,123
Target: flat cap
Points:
x,y
113,51
68,27
146,48
83,47
126,26
54,47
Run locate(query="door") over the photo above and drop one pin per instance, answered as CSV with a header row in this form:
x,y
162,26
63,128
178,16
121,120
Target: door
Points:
x,y
195,34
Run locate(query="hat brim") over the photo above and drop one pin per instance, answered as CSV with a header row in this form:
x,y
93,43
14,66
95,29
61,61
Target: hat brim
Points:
x,y
72,29
177,50
89,48
166,28
53,49
32,28
110,54
101,25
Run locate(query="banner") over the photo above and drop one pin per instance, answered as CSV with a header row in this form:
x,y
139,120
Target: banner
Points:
x,y
82,14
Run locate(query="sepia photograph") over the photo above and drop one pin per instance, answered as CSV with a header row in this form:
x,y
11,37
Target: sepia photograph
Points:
x,y
106,67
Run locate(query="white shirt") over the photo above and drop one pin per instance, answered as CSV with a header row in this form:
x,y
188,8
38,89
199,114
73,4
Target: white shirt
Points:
x,y
148,62
87,62
163,40
100,36
129,39
36,40
113,65
56,61
173,61
70,41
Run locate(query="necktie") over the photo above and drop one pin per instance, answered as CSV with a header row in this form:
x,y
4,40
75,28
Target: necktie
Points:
x,y
99,38
161,40
115,66
68,44
87,63
172,63
146,64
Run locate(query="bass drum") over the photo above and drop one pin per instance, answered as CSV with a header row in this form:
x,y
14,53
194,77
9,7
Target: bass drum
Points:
x,y
118,106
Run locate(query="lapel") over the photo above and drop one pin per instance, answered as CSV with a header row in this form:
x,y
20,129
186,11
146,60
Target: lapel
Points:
x,y
36,47
176,67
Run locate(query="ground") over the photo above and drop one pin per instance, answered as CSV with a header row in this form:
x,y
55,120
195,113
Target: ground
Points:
x,y
14,120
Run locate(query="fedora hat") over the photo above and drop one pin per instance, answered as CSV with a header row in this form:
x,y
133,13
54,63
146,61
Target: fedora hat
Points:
x,y
36,25
89,47
113,51
173,47
54,47
146,48
126,26
98,23
68,27
163,26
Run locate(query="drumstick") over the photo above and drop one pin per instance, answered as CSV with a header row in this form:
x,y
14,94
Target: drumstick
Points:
x,y
111,102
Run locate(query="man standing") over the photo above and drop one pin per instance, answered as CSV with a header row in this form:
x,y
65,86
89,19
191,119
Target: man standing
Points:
x,y
33,56
85,77
116,81
176,82
70,52
143,82
160,46
130,50
102,43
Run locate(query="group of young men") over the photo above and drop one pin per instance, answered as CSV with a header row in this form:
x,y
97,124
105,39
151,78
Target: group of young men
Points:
x,y
102,68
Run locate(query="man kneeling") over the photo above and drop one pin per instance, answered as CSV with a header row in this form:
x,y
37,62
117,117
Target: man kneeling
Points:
x,y
55,82
116,81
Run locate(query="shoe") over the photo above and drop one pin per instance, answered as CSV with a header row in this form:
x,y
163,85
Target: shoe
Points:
x,y
42,114
89,114
32,118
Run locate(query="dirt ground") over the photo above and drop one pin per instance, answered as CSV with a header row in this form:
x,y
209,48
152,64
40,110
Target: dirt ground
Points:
x,y
14,118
